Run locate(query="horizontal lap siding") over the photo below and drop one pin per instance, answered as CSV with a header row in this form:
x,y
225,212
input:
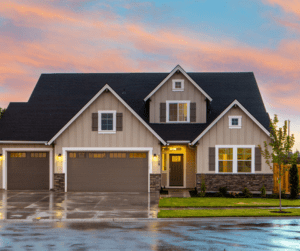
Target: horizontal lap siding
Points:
x,y
220,134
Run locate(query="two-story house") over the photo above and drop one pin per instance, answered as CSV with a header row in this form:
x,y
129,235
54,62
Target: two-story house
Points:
x,y
136,132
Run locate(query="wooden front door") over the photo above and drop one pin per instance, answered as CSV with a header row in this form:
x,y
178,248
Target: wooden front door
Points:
x,y
176,170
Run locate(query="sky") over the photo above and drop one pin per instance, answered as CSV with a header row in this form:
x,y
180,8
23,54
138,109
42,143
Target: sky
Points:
x,y
67,36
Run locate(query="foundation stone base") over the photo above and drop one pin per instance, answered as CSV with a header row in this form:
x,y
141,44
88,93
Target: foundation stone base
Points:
x,y
235,182
59,182
155,182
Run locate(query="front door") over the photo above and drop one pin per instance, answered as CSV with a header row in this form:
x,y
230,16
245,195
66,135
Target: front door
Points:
x,y
176,170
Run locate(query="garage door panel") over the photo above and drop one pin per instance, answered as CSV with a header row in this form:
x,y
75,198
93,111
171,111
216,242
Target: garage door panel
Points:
x,y
107,174
27,173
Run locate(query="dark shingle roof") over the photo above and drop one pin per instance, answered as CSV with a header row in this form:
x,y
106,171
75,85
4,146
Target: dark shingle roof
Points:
x,y
58,97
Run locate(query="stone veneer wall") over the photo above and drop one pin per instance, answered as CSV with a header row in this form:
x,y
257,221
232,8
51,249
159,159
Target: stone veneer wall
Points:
x,y
236,182
155,182
59,182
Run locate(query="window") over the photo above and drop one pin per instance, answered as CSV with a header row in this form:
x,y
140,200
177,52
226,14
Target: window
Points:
x,y
18,155
235,122
137,155
117,155
77,155
97,155
235,159
177,85
107,122
178,111
38,155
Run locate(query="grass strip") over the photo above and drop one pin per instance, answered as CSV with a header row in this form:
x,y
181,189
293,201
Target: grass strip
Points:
x,y
251,212
226,202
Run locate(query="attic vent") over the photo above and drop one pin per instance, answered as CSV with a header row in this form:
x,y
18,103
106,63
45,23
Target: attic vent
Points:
x,y
124,92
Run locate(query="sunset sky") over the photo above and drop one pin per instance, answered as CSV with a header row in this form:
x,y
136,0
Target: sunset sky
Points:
x,y
61,36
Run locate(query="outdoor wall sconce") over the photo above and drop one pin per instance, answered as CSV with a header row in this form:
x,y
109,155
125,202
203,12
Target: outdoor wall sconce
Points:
x,y
154,157
1,156
59,157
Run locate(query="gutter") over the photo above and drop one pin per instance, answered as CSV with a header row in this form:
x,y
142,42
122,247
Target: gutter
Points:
x,y
22,142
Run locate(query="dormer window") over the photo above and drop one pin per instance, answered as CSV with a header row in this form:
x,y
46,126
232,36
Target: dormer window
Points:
x,y
235,122
177,85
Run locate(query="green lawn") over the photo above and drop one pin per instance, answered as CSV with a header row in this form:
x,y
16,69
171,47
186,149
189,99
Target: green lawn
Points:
x,y
226,202
249,212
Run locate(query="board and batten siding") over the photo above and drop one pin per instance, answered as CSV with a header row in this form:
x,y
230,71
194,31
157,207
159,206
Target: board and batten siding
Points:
x,y
220,134
165,93
134,133
18,146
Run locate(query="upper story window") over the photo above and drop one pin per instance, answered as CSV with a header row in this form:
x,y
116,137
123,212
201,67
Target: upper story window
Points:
x,y
177,85
178,111
107,122
235,122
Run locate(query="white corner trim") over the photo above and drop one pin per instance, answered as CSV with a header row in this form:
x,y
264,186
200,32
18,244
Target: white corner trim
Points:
x,y
235,160
178,67
22,142
106,149
235,102
4,167
92,100
188,102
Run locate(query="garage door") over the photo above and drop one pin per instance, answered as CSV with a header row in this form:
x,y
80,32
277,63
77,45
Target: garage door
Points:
x,y
28,171
107,171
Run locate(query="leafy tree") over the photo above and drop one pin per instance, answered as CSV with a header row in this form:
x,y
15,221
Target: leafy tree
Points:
x,y
281,145
2,112
294,181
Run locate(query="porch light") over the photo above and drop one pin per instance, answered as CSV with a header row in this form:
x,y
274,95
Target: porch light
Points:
x,y
1,156
154,157
59,157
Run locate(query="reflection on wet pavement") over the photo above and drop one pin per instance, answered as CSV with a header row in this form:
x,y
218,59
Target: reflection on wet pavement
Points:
x,y
239,234
59,206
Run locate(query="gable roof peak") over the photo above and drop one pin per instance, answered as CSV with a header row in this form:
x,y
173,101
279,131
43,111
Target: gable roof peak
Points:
x,y
178,68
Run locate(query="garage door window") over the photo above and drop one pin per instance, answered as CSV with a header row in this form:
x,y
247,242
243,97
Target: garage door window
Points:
x,y
38,155
97,155
77,155
117,155
18,155
137,155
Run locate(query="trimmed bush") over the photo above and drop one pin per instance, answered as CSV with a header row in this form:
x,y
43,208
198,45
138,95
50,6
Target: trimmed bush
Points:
x,y
223,191
263,192
294,181
246,193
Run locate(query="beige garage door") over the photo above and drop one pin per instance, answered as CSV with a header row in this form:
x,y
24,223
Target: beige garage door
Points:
x,y
28,171
107,171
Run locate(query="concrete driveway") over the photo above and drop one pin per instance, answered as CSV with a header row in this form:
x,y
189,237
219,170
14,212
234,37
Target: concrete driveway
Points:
x,y
44,205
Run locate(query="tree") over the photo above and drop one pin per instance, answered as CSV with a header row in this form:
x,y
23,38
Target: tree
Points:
x,y
281,145
294,181
2,112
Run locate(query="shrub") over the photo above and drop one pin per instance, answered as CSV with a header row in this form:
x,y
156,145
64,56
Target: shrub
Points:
x,y
246,193
223,191
202,188
263,191
294,181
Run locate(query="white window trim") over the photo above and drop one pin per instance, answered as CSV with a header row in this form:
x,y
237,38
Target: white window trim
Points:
x,y
234,166
174,89
239,126
178,102
100,131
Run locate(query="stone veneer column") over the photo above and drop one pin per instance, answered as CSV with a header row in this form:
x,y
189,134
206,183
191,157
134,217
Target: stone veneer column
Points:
x,y
236,182
155,182
59,182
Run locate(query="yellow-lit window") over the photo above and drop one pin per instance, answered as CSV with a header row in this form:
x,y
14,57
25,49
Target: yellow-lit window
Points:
x,y
225,160
72,155
137,155
164,162
244,157
18,155
176,158
38,155
117,155
97,155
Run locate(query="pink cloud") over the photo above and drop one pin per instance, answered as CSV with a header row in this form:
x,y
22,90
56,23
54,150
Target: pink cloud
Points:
x,y
291,6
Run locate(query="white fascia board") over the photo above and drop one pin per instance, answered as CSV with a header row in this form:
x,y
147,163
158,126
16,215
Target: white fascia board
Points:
x,y
92,100
22,142
178,67
178,141
235,102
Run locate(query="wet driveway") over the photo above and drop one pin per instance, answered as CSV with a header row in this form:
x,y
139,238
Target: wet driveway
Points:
x,y
67,206
237,234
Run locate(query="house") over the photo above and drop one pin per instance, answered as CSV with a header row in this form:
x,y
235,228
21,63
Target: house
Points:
x,y
136,132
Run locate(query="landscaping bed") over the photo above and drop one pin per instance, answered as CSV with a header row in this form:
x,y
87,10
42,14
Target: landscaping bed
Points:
x,y
225,202
249,212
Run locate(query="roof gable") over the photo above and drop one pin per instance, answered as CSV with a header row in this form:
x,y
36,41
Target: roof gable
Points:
x,y
178,68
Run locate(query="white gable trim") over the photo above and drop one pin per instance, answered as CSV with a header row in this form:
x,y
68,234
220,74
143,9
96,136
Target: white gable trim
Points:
x,y
178,67
121,100
235,102
22,142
